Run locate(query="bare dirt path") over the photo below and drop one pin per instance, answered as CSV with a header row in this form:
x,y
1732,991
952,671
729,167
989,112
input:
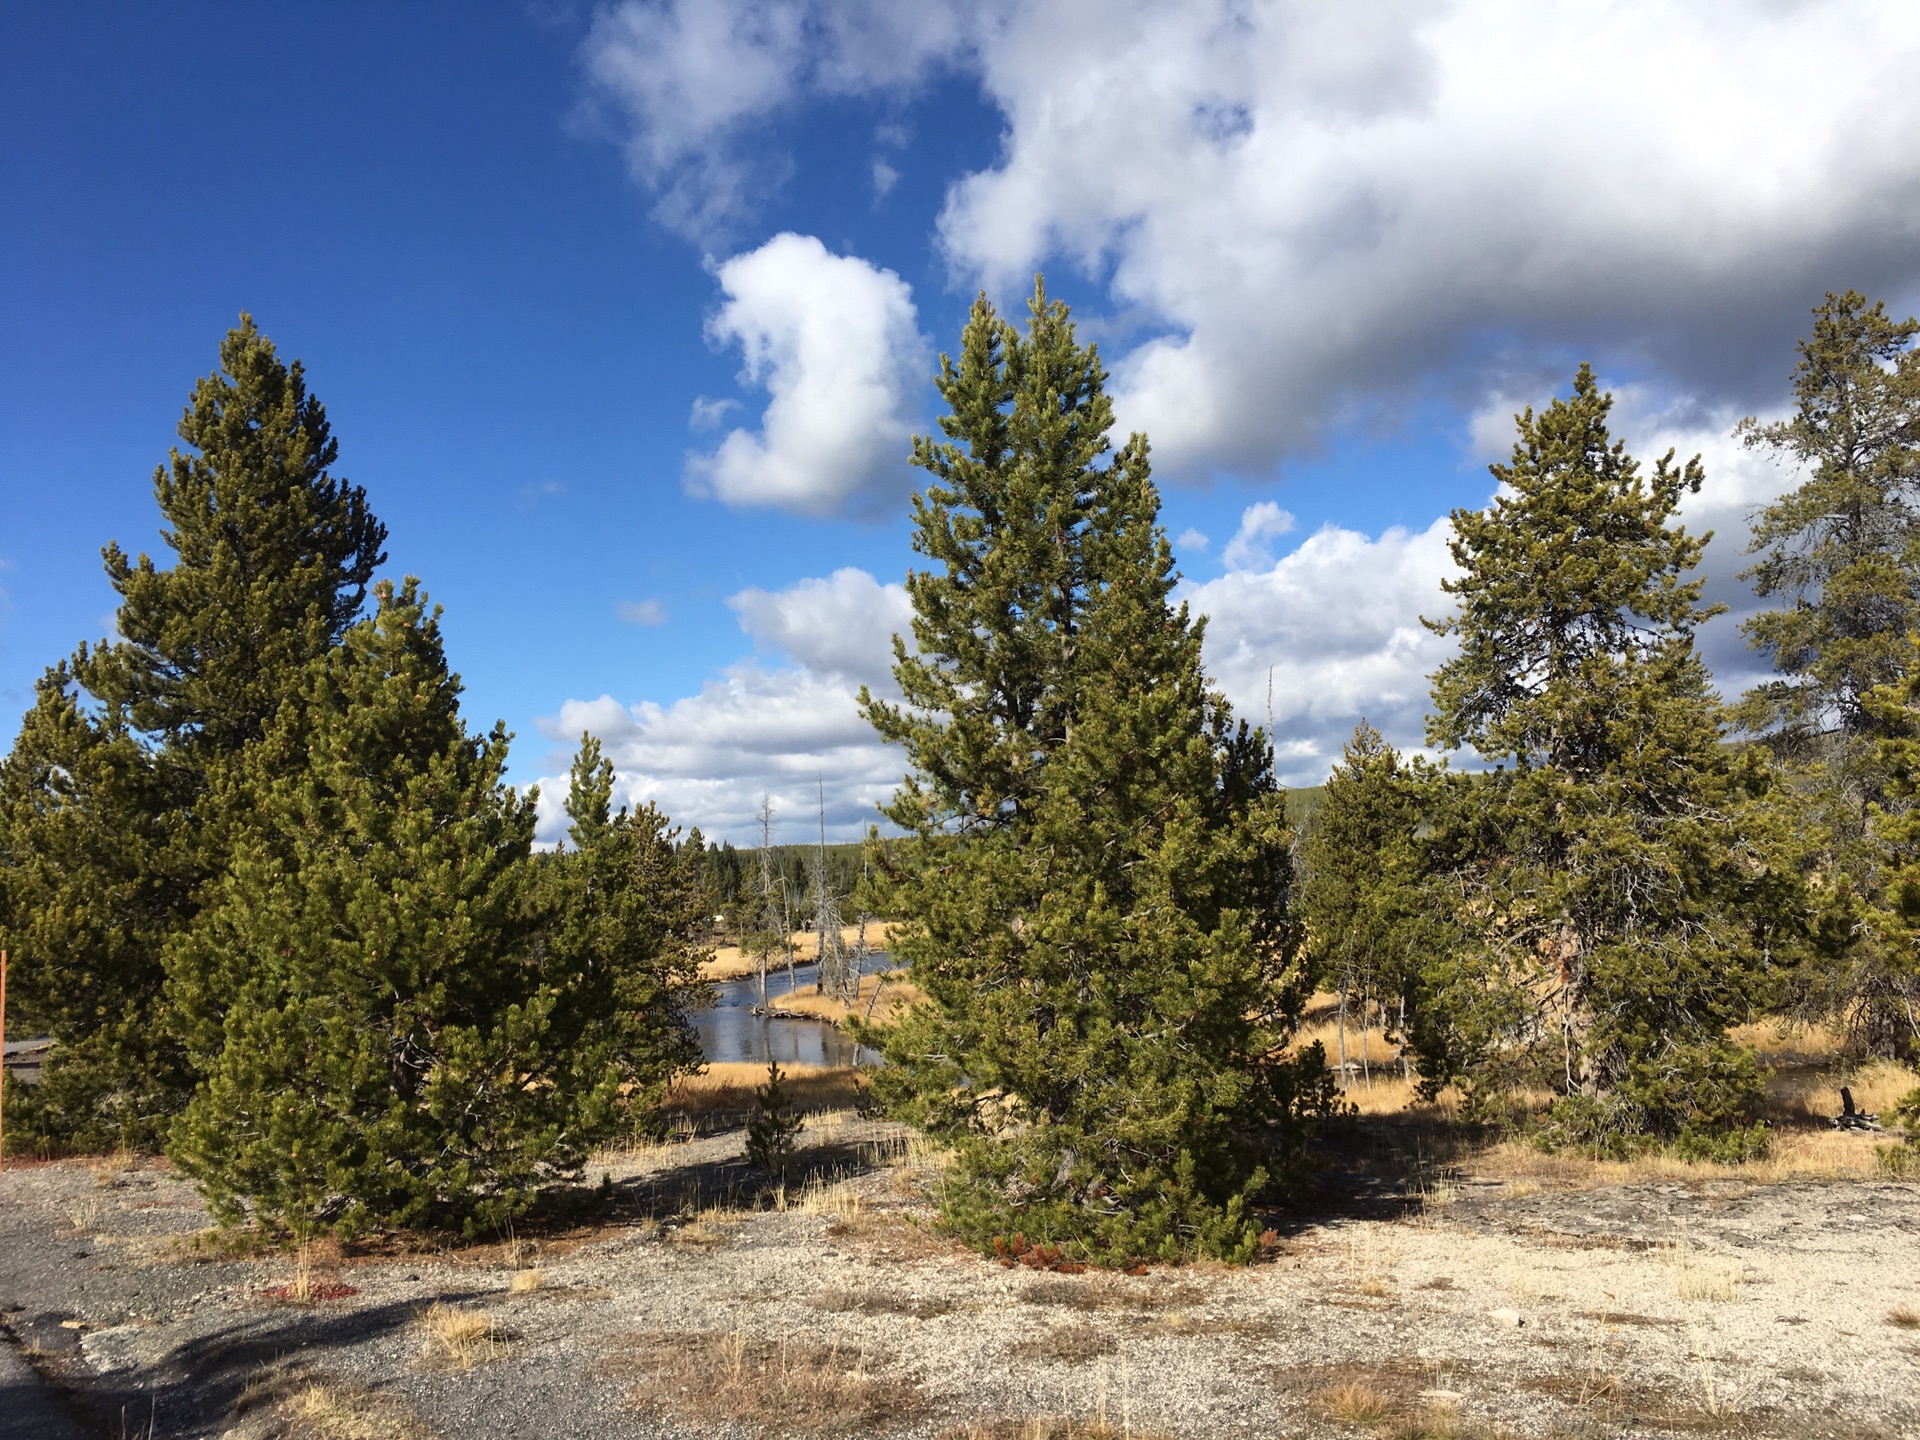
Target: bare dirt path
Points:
x,y
1479,1307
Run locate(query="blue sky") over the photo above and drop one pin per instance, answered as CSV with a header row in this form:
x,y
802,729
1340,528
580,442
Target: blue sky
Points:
x,y
536,257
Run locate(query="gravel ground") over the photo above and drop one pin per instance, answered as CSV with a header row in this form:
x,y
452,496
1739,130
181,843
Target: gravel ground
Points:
x,y
1643,1309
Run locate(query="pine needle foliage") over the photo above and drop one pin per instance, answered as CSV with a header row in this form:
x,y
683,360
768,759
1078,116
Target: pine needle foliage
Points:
x,y
623,914
1372,920
1095,894
1630,896
1892,910
1838,559
94,882
773,1127
113,819
377,1042
1839,548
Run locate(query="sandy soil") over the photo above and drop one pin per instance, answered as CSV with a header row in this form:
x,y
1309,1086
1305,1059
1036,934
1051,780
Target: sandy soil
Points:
x,y
1467,1305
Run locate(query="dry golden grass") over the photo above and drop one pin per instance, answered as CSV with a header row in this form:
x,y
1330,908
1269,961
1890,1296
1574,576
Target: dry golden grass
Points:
x,y
1356,1403
525,1282
822,1197
457,1336
83,1216
1795,1155
1372,1252
774,1385
299,1407
1702,1277
728,963
881,998
1049,1427
1905,1318
333,1412
727,1088
108,1169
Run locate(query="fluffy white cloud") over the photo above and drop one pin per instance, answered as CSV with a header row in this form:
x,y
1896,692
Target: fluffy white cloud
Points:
x,y
1337,625
843,625
694,80
1248,549
762,727
833,340
1317,212
1328,206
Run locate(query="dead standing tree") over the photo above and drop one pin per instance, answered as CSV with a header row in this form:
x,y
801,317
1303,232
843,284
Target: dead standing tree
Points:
x,y
773,908
838,976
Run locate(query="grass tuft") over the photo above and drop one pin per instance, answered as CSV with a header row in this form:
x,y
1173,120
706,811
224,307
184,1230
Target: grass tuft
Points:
x,y
1905,1318
457,1336
1356,1403
525,1282
1702,1277
784,1384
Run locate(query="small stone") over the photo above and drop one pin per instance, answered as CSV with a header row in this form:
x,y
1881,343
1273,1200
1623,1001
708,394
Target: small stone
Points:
x,y
1506,1317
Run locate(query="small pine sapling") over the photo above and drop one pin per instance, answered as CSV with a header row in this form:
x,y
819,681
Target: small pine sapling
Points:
x,y
771,1131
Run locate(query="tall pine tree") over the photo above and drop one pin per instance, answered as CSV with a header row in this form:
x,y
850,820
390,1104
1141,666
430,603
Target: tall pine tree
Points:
x,y
1840,550
1095,894
99,875
624,918
1640,904
374,1031
1371,921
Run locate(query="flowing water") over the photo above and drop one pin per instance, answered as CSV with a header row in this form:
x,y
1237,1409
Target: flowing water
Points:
x,y
730,1031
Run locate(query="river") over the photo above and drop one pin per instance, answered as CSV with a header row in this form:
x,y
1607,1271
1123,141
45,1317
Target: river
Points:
x,y
731,1032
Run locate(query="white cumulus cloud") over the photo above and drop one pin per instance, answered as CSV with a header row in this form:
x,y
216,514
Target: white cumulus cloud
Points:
x,y
1336,624
1316,213
1259,523
843,625
833,340
786,725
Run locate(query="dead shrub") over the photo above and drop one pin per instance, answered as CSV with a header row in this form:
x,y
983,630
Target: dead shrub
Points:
x,y
1070,1344
1905,1318
525,1282
784,1384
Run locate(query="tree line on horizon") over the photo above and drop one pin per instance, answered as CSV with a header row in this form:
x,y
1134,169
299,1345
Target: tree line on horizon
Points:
x,y
285,918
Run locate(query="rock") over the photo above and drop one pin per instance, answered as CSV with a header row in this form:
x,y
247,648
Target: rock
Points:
x,y
1507,1317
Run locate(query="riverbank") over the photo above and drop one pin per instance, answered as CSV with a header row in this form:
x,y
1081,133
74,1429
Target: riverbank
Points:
x,y
728,962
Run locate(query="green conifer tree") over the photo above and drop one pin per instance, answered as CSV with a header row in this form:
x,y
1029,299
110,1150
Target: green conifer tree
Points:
x,y
1366,904
1892,921
374,1028
273,556
92,887
624,918
1640,904
1095,895
1840,548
